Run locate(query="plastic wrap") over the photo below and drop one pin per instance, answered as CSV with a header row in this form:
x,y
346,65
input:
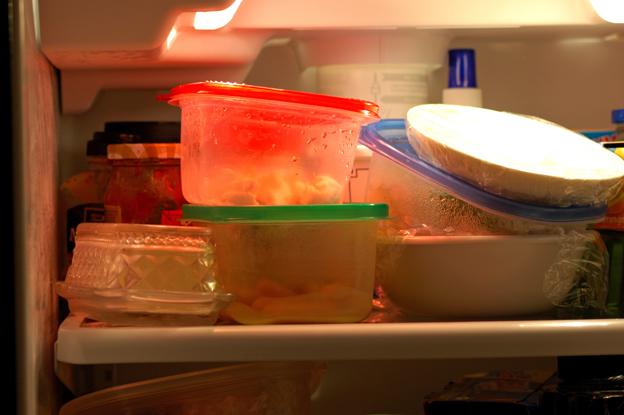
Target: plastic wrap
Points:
x,y
249,389
143,274
517,157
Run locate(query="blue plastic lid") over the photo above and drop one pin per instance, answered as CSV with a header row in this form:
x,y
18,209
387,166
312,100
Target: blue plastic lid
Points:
x,y
462,71
617,116
389,139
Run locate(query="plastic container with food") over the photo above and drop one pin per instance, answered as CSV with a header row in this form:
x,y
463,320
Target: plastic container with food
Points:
x,y
242,389
427,200
143,275
294,264
519,157
453,250
250,145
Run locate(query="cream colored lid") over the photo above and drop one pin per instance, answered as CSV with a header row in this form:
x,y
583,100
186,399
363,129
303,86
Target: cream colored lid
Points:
x,y
143,151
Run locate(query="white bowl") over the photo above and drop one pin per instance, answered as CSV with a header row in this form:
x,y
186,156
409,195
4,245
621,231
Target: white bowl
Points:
x,y
479,276
518,157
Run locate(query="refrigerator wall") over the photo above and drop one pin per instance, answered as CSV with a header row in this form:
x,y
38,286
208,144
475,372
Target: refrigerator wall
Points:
x,y
35,128
564,64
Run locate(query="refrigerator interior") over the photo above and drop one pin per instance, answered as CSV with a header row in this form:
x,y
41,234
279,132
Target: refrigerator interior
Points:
x,y
566,73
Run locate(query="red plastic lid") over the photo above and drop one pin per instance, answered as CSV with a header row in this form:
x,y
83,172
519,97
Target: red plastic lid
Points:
x,y
231,89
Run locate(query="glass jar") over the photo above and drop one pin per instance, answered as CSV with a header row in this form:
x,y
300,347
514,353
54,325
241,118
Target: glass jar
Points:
x,y
145,184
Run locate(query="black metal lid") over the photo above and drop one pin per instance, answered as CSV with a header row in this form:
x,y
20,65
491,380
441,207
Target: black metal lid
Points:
x,y
121,132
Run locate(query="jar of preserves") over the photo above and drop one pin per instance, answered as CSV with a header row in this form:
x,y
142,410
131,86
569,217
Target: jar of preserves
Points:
x,y
145,184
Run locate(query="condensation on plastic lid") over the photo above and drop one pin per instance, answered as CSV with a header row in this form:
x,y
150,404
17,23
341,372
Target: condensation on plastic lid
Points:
x,y
143,151
388,138
232,89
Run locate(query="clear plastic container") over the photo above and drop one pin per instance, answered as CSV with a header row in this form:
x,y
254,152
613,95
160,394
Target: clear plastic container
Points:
x,y
426,200
143,274
294,264
243,389
248,145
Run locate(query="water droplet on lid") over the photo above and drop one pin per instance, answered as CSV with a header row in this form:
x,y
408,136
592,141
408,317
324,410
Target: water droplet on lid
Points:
x,y
324,146
294,158
324,135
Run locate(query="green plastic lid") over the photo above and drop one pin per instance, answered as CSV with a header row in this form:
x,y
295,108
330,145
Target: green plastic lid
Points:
x,y
286,213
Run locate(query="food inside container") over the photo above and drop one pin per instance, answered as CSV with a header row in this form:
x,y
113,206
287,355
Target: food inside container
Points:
x,y
251,388
143,274
453,250
426,200
249,145
294,264
518,157
145,185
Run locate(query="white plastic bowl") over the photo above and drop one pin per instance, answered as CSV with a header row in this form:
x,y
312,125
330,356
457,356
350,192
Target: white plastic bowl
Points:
x,y
479,276
518,157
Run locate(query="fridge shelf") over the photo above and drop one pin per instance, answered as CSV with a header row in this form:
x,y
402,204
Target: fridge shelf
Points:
x,y
77,344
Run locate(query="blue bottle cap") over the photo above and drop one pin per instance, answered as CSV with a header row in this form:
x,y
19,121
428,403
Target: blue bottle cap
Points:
x,y
617,116
462,72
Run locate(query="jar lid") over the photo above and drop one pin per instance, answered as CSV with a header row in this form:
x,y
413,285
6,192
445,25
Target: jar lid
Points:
x,y
144,151
285,213
231,89
388,138
119,132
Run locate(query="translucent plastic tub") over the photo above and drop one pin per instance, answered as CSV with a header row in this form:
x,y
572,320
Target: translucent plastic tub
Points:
x,y
294,264
243,389
143,274
248,145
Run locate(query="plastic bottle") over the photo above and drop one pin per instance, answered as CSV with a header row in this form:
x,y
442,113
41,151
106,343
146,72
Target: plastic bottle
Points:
x,y
462,81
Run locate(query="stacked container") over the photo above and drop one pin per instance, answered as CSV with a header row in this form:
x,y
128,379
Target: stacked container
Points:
x,y
472,237
265,170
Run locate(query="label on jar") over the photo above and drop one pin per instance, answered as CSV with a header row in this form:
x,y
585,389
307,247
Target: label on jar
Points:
x,y
88,212
171,217
112,214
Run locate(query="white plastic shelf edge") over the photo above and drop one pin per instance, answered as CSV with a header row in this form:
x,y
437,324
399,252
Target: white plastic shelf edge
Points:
x,y
107,345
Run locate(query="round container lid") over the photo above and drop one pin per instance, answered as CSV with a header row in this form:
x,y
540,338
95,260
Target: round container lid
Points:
x,y
230,89
389,139
144,151
119,132
286,213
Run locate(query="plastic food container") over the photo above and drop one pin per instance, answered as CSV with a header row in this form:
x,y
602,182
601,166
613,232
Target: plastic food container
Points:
x,y
518,157
492,276
143,274
294,264
245,389
427,200
249,145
